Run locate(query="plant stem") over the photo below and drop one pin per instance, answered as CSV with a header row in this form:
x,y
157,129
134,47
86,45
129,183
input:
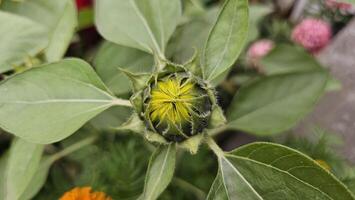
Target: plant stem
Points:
x,y
190,187
215,148
216,131
72,148
121,102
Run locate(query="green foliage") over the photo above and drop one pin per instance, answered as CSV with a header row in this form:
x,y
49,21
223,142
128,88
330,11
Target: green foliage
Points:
x,y
110,57
271,171
21,166
191,36
19,42
160,171
274,103
257,13
146,25
348,1
59,18
121,168
52,101
117,169
270,105
288,59
226,39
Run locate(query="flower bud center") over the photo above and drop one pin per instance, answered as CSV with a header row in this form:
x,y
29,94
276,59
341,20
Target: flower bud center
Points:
x,y
177,106
172,100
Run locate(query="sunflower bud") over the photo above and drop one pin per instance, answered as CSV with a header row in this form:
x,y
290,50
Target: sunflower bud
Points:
x,y
177,106
174,105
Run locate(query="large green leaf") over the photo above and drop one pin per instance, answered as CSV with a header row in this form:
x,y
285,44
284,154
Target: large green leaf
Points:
x,y
270,105
20,38
226,39
59,18
160,171
21,166
286,59
50,102
273,172
290,59
111,56
143,24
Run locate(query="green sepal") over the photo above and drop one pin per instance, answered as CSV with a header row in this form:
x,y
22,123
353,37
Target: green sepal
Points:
x,y
155,137
139,81
137,102
134,124
217,117
192,144
193,65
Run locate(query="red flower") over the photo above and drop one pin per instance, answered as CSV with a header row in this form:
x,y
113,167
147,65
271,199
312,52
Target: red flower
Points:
x,y
312,34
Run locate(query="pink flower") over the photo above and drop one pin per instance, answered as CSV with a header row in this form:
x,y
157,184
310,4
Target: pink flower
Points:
x,y
312,34
259,49
334,4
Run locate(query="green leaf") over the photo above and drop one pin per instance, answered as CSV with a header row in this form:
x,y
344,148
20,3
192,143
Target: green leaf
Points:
x,y
226,39
3,162
275,172
58,17
287,59
40,177
21,166
270,105
348,1
63,33
50,102
20,39
111,56
143,24
217,191
160,171
190,37
111,118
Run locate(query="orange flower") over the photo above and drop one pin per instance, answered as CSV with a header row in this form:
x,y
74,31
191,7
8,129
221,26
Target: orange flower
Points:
x,y
84,193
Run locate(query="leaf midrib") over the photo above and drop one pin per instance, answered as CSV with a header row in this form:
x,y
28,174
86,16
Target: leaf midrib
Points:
x,y
146,26
264,106
282,171
226,44
160,173
240,175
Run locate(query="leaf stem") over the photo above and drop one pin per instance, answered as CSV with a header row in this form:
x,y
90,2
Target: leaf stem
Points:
x,y
190,187
122,102
215,148
72,148
216,131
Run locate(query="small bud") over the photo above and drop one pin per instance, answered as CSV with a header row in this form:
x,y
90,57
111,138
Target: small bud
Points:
x,y
312,34
258,50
